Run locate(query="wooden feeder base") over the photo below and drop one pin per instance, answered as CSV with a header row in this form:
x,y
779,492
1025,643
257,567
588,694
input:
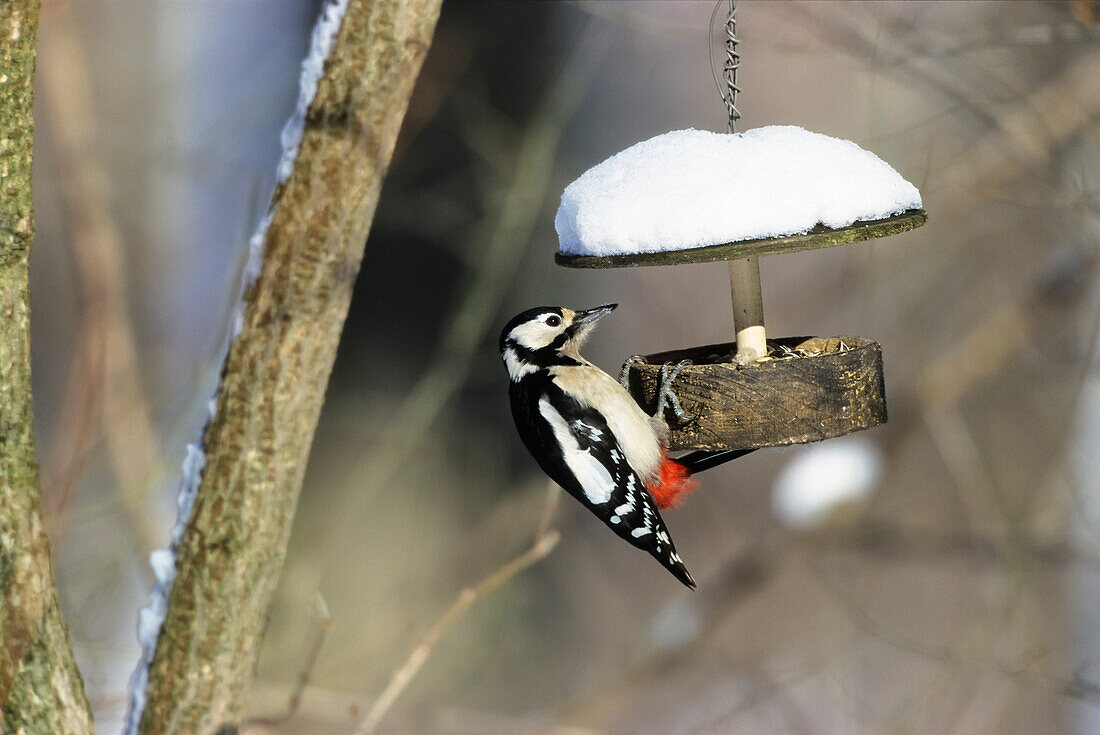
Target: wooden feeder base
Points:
x,y
836,390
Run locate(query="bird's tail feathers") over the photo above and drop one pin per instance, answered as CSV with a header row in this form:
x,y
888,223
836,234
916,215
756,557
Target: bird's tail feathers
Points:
x,y
680,572
703,459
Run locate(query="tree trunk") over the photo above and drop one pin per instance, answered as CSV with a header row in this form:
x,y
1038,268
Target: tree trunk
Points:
x,y
275,375
41,690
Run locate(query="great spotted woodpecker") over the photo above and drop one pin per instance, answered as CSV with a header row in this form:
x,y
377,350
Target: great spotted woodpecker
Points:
x,y
590,436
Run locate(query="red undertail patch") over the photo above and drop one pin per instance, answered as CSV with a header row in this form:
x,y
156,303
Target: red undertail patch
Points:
x,y
672,484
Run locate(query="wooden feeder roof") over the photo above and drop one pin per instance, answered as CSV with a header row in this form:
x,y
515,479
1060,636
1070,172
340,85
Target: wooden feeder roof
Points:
x,y
818,237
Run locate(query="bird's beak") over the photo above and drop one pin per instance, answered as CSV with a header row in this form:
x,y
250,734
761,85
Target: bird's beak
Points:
x,y
583,321
588,317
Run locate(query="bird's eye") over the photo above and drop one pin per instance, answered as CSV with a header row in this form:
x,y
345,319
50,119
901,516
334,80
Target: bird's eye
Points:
x,y
553,321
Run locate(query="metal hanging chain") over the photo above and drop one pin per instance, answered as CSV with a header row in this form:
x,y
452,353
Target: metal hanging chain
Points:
x,y
729,69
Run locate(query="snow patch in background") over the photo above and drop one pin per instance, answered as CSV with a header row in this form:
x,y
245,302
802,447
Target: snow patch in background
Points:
x,y
677,624
693,188
822,478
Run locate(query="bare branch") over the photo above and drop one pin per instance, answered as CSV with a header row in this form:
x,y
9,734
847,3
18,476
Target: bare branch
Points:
x,y
304,676
544,543
274,379
1077,686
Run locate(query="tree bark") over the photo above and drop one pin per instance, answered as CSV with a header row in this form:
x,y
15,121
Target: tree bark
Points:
x,y
275,375
41,690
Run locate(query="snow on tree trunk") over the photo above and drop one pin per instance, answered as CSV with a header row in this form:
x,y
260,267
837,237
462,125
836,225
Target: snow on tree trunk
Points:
x,y
230,553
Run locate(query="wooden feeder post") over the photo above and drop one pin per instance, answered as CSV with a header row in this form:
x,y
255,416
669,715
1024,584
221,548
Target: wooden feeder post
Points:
x,y
748,310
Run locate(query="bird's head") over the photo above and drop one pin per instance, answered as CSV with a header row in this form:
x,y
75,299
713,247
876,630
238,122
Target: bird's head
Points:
x,y
545,336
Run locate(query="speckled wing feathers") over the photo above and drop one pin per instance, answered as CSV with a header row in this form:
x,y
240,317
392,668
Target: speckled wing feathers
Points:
x,y
591,466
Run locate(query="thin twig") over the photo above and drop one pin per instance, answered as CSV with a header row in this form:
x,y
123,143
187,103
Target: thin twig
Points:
x,y
544,543
326,709
104,386
553,495
295,700
1078,686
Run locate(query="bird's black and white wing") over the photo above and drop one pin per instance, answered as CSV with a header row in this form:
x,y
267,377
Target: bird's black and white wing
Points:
x,y
587,461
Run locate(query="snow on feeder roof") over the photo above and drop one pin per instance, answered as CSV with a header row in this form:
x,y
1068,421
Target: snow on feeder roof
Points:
x,y
709,196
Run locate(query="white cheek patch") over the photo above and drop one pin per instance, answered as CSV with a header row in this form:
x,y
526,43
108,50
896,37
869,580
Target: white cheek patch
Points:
x,y
594,478
534,335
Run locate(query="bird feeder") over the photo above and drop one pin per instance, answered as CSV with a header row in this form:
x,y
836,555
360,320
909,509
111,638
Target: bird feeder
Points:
x,y
693,196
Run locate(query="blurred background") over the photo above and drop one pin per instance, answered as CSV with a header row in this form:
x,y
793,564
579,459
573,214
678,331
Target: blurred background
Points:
x,y
951,584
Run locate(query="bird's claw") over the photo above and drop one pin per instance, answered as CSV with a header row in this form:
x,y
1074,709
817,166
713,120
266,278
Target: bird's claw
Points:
x,y
624,371
666,399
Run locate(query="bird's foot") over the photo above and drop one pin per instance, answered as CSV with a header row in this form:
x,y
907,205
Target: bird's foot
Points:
x,y
666,399
624,371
